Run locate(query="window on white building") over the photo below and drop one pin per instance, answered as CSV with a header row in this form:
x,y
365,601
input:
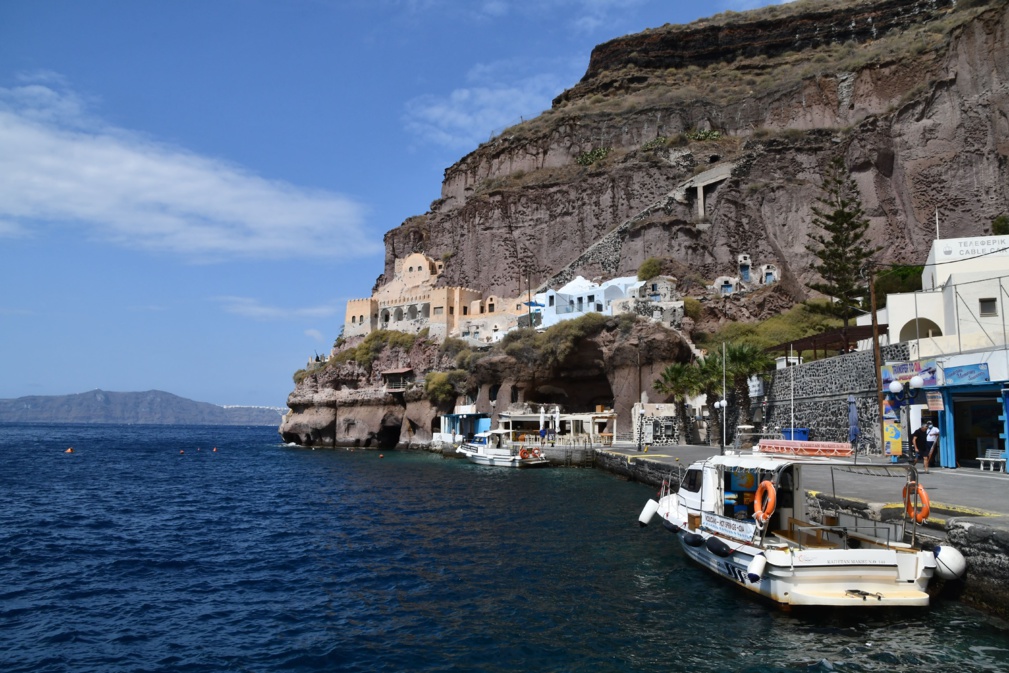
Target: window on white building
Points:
x,y
988,307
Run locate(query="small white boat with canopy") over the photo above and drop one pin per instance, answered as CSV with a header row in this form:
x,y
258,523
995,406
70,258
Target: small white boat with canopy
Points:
x,y
745,517
493,448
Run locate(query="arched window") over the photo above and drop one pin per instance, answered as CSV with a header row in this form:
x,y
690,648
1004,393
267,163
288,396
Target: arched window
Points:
x,y
922,328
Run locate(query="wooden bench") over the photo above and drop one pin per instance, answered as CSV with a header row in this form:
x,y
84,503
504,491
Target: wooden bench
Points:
x,y
995,458
798,532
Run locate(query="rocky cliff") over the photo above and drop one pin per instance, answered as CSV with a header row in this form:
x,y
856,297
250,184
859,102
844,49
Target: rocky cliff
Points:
x,y
912,94
347,405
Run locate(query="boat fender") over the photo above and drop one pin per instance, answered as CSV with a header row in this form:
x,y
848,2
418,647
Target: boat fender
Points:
x,y
718,547
670,526
949,562
755,568
651,507
693,539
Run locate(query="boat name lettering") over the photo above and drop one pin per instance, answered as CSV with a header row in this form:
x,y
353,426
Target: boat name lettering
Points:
x,y
734,571
847,560
734,528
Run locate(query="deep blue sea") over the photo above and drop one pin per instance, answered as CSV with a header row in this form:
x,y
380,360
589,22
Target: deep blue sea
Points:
x,y
145,550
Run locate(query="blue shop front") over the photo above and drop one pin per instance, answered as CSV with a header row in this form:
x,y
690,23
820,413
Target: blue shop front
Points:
x,y
962,401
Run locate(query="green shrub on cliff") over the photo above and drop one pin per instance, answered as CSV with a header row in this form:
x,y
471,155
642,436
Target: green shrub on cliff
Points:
x,y
593,156
442,388
692,308
366,352
650,268
800,321
552,347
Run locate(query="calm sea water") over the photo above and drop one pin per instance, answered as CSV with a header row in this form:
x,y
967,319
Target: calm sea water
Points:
x,y
129,555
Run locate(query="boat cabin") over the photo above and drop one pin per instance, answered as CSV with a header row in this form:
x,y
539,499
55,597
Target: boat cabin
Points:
x,y
729,493
725,493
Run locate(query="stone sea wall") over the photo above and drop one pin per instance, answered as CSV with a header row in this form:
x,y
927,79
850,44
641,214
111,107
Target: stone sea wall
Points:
x,y
815,395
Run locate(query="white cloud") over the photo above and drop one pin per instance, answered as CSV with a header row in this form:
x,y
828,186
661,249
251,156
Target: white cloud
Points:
x,y
468,116
252,308
59,166
315,335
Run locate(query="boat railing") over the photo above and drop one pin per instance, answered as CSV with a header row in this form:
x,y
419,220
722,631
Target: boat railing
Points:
x,y
809,535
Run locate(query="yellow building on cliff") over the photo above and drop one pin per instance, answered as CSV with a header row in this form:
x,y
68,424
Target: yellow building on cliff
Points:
x,y
411,301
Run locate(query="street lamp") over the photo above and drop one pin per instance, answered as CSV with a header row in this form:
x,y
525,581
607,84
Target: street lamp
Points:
x,y
641,425
902,394
721,404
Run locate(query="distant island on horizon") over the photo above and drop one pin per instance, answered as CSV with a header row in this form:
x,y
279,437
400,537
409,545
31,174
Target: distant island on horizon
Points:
x,y
153,407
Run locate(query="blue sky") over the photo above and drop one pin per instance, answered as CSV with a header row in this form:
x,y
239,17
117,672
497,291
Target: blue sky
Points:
x,y
191,190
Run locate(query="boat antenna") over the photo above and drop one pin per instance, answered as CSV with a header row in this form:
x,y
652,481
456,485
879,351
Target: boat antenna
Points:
x,y
791,363
723,397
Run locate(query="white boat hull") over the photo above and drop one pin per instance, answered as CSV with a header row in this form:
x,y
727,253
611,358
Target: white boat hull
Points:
x,y
798,576
500,458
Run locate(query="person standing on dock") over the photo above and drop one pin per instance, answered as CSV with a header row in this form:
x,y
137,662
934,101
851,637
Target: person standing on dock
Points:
x,y
919,446
932,441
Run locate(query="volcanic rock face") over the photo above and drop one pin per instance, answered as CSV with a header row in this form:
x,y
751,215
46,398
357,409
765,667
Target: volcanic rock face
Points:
x,y
344,405
920,116
912,94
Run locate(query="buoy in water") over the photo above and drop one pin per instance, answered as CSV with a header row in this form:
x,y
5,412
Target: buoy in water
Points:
x,y
755,568
381,455
949,562
182,450
651,507
70,450
215,449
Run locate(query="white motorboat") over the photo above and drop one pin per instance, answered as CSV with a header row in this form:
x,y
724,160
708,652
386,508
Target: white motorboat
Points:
x,y
745,517
492,448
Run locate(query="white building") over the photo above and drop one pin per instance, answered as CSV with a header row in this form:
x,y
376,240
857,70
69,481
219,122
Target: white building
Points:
x,y
956,329
581,296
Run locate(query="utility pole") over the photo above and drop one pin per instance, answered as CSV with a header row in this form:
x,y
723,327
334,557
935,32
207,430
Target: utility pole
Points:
x,y
876,357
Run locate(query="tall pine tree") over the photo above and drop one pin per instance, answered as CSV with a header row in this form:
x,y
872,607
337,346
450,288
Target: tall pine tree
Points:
x,y
841,250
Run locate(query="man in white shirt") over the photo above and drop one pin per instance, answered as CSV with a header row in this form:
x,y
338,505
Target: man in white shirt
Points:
x,y
932,441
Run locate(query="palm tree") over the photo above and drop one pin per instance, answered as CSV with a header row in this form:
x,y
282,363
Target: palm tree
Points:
x,y
743,361
680,381
710,383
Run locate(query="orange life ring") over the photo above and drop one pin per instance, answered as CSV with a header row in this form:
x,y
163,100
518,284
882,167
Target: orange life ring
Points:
x,y
536,453
926,508
764,510
523,454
